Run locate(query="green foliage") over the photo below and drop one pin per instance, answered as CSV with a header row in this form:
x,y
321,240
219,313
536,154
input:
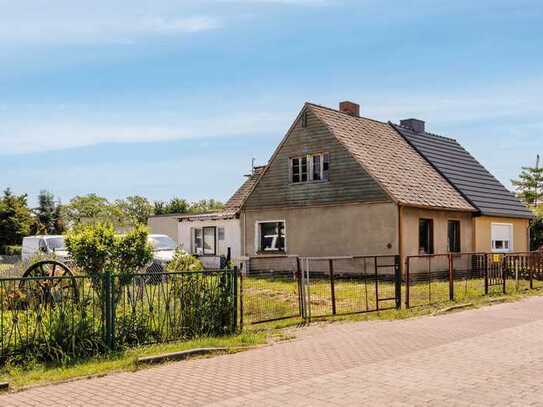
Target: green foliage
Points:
x,y
48,214
529,185
206,205
536,229
16,219
135,209
92,247
175,205
182,261
91,209
11,250
96,249
179,205
67,334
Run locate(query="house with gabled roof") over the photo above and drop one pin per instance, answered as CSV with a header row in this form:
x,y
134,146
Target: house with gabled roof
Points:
x,y
340,184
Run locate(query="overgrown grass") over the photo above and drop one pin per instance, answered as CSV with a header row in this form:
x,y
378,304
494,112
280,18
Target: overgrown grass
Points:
x,y
20,377
266,299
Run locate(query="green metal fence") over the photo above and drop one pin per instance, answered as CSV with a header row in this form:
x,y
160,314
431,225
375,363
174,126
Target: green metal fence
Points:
x,y
63,318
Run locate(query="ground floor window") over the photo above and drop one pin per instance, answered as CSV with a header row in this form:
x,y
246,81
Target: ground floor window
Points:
x,y
426,236
271,236
454,236
204,240
502,237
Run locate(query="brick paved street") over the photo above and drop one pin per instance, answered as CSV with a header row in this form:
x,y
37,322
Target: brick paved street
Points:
x,y
486,357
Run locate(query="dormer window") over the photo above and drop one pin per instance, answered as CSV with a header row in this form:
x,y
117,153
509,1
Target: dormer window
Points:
x,y
311,167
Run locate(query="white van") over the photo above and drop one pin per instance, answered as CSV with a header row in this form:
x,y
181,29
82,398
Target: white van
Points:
x,y
50,244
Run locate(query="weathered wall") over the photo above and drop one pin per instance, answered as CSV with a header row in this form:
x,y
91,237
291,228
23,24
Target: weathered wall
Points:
x,y
341,230
348,181
164,225
483,230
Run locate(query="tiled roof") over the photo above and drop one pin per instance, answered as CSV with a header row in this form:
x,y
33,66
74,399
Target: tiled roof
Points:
x,y
392,161
232,207
465,173
239,197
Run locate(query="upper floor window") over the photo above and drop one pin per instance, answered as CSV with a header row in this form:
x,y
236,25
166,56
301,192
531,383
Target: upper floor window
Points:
x,y
311,167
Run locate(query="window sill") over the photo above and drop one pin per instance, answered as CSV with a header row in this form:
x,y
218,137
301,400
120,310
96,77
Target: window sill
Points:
x,y
272,253
308,182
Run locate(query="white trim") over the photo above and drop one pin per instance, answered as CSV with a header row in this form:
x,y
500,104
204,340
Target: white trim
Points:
x,y
257,235
511,238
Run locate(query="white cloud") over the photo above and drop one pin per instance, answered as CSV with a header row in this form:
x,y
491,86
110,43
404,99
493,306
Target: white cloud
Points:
x,y
25,136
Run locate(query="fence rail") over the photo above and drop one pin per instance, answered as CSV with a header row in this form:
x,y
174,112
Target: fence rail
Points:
x,y
432,279
58,318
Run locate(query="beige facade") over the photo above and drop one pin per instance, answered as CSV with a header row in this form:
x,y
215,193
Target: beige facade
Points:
x,y
410,229
483,228
340,230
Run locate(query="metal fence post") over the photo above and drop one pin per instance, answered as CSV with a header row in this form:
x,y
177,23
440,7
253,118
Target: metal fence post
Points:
x,y
234,276
504,272
301,295
451,278
398,281
332,285
485,265
407,282
241,299
531,266
108,309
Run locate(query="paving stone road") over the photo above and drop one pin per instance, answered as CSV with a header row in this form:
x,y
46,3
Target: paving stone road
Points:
x,y
487,357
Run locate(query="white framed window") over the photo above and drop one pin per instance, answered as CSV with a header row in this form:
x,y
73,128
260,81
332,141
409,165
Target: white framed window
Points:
x,y
271,236
310,167
502,237
204,241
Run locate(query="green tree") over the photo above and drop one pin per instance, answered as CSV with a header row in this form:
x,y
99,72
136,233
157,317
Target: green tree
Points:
x,y
91,209
536,229
135,209
206,205
48,214
175,205
529,185
16,220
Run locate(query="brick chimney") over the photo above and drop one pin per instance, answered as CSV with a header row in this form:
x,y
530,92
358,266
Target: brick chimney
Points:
x,y
413,124
350,108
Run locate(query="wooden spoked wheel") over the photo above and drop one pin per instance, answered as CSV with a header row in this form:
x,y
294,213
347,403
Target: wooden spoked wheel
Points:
x,y
51,281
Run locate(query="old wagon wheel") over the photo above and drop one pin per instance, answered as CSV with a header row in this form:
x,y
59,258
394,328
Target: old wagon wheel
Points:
x,y
63,285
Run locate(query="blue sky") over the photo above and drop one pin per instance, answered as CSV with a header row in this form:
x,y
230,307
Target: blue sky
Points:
x,y
172,97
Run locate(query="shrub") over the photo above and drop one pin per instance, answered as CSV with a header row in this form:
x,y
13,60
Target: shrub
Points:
x,y
11,250
182,261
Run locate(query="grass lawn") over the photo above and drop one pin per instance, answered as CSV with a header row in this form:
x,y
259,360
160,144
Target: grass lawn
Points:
x,y
265,298
5,267
120,361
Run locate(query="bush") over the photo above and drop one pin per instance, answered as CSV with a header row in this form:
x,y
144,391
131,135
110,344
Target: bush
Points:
x,y
11,250
182,261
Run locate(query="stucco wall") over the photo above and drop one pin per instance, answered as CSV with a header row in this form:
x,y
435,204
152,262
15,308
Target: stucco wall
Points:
x,y
232,237
164,225
483,229
353,229
410,229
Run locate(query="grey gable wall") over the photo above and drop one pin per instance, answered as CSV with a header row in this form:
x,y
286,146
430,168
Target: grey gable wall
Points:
x,y
348,181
